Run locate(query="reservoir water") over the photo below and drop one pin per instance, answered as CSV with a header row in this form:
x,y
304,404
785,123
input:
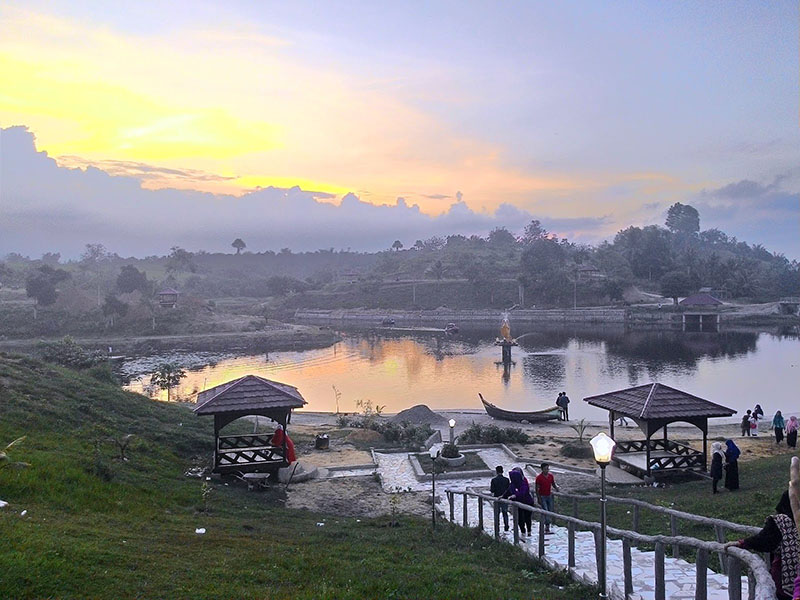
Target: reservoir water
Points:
x,y
735,369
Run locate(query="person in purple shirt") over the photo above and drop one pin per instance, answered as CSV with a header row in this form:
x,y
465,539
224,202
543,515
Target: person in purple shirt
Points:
x,y
520,491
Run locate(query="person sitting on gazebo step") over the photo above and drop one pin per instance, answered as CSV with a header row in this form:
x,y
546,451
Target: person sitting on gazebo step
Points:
x,y
277,440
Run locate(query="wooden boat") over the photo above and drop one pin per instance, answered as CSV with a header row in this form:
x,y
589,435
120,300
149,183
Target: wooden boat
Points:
x,y
548,414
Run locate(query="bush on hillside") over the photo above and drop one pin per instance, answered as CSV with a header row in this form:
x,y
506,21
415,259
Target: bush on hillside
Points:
x,y
68,353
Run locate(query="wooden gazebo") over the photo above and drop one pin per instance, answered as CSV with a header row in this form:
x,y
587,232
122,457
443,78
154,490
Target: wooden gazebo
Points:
x,y
248,396
653,407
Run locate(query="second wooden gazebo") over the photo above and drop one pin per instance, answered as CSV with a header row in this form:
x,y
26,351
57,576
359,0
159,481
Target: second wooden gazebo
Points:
x,y
248,396
653,407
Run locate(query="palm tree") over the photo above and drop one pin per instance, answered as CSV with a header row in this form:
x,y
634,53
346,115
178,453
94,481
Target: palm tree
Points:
x,y
167,376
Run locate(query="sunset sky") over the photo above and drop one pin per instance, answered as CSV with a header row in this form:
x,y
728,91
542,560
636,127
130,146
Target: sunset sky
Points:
x,y
587,115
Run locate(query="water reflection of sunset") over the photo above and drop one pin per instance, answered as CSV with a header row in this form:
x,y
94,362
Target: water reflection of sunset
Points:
x,y
448,373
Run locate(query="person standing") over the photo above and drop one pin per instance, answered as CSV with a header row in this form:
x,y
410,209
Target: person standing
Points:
x,y
499,488
779,538
717,456
520,491
545,483
746,423
778,425
732,465
754,424
791,432
565,405
758,412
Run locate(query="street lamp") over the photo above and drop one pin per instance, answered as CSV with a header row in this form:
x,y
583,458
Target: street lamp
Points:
x,y
434,452
452,425
602,447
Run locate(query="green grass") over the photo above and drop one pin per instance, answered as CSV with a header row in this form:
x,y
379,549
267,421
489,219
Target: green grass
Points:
x,y
131,534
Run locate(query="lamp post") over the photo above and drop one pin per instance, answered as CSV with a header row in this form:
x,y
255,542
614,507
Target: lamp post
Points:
x,y
602,447
434,452
452,425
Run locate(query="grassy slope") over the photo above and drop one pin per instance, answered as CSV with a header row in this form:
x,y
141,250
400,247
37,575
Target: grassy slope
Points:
x,y
133,536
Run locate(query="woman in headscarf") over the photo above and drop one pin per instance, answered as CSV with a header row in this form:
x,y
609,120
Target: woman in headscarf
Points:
x,y
791,432
278,439
778,425
717,456
779,538
520,491
732,465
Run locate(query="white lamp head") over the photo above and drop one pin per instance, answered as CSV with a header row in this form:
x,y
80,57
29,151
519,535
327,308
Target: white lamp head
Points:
x,y
434,452
452,422
603,447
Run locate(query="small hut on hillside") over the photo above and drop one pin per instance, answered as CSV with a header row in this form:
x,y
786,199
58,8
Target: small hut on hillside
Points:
x,y
168,298
653,407
244,397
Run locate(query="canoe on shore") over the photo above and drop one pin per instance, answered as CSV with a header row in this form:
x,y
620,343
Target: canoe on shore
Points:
x,y
548,414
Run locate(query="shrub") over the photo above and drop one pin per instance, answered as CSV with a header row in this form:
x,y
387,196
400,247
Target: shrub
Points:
x,y
68,353
450,451
576,450
492,434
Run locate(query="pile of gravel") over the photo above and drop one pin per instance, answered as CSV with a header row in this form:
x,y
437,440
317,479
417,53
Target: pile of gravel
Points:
x,y
418,415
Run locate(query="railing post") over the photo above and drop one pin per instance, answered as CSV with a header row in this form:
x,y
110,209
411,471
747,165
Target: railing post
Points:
x,y
734,578
480,513
636,518
452,500
626,566
515,513
673,531
571,544
598,553
464,508
700,588
541,535
574,507
719,530
751,585
496,507
661,588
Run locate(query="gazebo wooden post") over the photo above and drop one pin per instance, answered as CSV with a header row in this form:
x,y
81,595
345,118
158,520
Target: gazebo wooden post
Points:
x,y
611,420
665,436
705,445
647,448
216,440
285,433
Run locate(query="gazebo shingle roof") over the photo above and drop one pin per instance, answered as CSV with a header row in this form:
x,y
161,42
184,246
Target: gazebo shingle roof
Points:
x,y
657,401
702,299
248,393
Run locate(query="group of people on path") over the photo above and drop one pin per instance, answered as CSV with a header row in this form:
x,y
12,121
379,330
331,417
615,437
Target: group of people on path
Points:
x,y
516,487
726,460
562,402
780,426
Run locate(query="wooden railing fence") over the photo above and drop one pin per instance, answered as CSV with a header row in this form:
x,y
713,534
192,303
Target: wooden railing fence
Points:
x,y
734,559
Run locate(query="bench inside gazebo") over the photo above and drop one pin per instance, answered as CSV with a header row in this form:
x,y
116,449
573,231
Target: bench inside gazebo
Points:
x,y
245,397
654,407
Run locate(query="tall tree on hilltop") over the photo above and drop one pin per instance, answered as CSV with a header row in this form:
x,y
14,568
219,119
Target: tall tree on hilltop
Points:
x,y
239,244
397,245
682,218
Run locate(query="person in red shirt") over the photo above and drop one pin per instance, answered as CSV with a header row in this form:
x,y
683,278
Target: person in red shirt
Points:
x,y
545,484
278,439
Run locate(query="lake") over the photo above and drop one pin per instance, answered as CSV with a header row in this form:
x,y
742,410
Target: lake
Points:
x,y
735,369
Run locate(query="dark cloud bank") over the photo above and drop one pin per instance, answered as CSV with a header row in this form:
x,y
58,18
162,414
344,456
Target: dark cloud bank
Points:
x,y
44,207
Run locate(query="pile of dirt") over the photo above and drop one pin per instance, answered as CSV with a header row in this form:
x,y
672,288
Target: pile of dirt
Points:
x,y
419,415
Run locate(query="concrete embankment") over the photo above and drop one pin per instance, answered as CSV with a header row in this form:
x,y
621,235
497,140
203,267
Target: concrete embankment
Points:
x,y
440,317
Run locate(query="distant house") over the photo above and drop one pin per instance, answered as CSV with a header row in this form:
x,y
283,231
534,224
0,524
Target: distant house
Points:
x,y
700,300
589,273
168,298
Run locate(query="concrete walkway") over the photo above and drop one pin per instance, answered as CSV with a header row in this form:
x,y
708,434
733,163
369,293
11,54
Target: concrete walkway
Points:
x,y
397,475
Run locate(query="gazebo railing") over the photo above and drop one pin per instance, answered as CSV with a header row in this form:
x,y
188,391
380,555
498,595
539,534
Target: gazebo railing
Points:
x,y
735,559
624,446
247,451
